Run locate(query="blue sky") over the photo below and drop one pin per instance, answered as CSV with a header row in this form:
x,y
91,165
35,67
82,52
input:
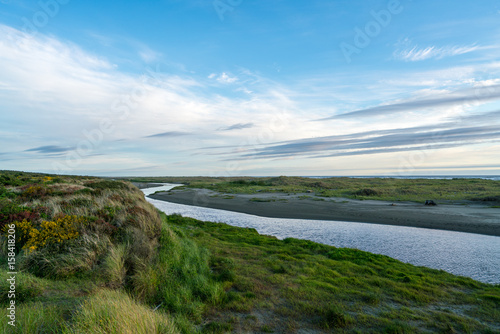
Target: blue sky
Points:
x,y
240,87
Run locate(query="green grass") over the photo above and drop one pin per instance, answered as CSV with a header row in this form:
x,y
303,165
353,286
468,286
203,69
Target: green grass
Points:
x,y
259,199
185,266
302,284
115,269
389,189
304,197
35,317
114,312
104,311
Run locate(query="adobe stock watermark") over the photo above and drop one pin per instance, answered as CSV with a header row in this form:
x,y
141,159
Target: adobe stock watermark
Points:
x,y
11,274
121,109
364,36
41,18
223,6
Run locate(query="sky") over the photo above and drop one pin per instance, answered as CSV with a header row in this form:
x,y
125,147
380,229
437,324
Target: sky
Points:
x,y
254,88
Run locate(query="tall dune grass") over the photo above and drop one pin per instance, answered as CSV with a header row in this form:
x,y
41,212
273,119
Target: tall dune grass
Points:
x,y
113,312
115,270
180,278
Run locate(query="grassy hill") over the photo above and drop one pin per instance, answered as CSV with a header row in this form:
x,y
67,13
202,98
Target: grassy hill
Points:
x,y
92,256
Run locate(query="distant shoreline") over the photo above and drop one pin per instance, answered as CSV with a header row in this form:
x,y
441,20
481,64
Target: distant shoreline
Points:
x,y
473,218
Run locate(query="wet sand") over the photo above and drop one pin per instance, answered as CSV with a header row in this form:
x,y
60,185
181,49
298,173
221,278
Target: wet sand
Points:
x,y
469,217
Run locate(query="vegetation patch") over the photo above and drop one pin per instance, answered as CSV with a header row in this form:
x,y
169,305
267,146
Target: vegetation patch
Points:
x,y
94,257
367,192
298,284
260,199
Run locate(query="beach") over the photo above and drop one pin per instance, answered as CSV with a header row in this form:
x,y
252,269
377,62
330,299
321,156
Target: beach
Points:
x,y
471,217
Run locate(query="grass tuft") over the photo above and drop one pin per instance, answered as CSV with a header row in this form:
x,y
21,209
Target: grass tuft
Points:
x,y
36,318
115,270
113,312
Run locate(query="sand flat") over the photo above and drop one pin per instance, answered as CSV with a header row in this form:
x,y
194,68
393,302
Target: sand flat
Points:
x,y
472,217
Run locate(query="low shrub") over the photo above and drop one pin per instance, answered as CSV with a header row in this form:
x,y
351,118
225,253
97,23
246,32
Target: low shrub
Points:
x,y
107,185
10,180
15,213
108,213
367,192
99,226
84,191
35,192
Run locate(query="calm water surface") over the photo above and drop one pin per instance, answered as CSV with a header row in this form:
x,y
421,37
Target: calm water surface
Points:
x,y
466,254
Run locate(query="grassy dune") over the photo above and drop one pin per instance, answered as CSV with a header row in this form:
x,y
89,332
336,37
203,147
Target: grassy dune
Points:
x,y
389,189
94,257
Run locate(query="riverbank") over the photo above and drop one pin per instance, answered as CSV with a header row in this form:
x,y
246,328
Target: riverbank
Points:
x,y
471,217
299,286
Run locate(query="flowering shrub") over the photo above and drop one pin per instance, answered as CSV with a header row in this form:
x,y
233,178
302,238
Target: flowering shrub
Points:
x,y
32,192
23,229
48,233
53,232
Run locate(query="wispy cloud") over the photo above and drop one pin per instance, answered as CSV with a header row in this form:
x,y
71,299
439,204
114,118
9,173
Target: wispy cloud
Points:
x,y
168,134
373,142
433,52
223,78
465,96
149,56
50,149
238,126
458,132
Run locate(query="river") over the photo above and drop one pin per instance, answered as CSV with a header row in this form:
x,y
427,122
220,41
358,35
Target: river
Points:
x,y
466,254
